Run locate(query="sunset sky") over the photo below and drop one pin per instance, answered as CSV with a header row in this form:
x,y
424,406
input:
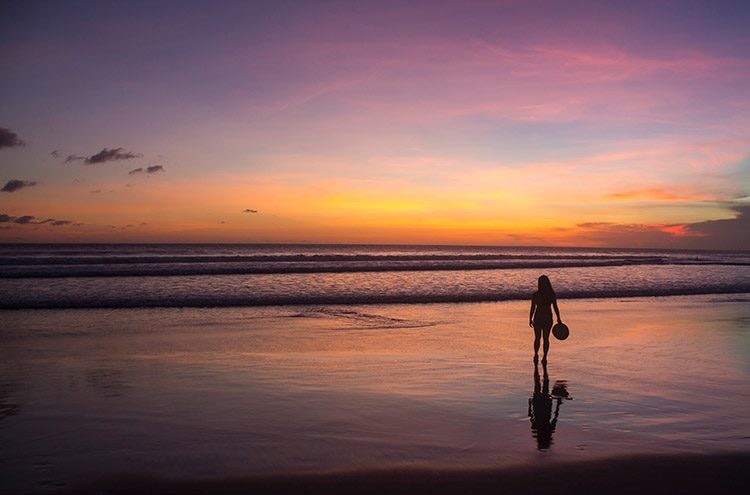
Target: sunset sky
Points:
x,y
470,122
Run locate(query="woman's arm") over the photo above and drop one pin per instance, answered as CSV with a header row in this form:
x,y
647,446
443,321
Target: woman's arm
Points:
x,y
531,312
557,310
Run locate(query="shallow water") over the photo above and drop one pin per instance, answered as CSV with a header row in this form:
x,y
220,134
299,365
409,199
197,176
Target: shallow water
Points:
x,y
238,391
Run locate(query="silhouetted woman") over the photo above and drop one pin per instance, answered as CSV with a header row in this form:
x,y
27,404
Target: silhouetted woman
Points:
x,y
540,315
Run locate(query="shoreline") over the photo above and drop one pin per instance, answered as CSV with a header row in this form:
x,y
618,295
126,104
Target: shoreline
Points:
x,y
695,474
372,301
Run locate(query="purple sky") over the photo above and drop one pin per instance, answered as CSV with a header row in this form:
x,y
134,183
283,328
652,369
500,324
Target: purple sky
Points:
x,y
573,123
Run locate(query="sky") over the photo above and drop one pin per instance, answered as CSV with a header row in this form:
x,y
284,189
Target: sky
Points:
x,y
622,123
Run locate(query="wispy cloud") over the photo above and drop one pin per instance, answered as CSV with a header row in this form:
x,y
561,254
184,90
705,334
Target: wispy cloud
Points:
x,y
541,82
105,155
634,228
148,170
657,194
9,139
108,155
74,158
16,184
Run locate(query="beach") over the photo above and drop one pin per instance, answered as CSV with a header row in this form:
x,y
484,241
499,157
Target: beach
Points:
x,y
301,247
295,396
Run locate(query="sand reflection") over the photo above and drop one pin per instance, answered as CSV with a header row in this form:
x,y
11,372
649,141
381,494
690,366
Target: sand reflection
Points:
x,y
543,419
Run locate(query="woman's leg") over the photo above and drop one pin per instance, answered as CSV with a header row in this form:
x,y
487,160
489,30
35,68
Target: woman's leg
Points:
x,y
546,331
537,338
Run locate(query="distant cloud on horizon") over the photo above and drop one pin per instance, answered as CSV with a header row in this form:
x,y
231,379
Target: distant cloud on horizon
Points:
x,y
105,155
23,220
30,220
9,139
730,233
16,184
54,222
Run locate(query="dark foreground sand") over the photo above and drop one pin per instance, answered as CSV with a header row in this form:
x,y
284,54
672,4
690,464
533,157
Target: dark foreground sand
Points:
x,y
695,474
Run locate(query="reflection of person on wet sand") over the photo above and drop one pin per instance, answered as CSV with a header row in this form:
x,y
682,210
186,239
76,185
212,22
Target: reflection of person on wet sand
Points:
x,y
543,422
540,315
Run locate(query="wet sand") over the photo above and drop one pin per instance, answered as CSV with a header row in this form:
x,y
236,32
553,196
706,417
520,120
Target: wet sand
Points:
x,y
720,474
386,396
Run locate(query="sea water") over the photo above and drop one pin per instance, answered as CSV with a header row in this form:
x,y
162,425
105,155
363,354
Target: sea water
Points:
x,y
130,276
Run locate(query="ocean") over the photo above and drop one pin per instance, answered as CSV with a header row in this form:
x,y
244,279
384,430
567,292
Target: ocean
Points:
x,y
203,275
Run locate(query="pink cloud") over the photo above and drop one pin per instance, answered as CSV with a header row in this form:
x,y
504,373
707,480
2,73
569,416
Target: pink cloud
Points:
x,y
429,79
681,231
609,63
658,194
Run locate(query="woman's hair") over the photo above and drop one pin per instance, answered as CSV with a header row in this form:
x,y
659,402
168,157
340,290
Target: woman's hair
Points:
x,y
545,288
